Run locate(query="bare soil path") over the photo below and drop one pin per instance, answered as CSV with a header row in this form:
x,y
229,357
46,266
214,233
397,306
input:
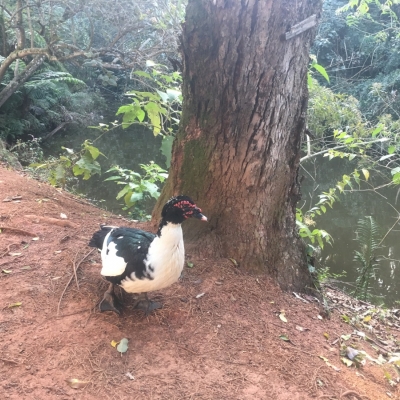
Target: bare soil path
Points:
x,y
224,344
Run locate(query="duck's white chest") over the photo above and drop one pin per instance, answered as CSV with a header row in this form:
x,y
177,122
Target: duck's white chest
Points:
x,y
164,262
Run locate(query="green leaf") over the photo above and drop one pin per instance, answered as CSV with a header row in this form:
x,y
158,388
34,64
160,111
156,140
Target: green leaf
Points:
x,y
86,166
123,345
321,70
153,111
152,188
366,173
166,148
123,192
377,130
391,149
144,74
309,81
112,178
131,113
284,338
134,197
163,95
124,109
396,179
94,151
190,264
345,318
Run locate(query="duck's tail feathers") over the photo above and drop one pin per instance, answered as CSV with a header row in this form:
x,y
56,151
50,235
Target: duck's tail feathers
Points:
x,y
98,237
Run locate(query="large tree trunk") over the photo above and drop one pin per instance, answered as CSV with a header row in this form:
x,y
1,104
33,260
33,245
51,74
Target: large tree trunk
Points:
x,y
238,147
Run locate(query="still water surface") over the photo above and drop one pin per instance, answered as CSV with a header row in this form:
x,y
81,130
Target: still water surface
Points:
x,y
341,222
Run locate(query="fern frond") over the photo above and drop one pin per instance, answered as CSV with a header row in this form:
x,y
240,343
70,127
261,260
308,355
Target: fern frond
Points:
x,y
368,233
368,237
55,77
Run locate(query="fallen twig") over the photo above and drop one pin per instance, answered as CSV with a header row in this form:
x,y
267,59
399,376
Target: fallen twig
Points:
x,y
53,221
8,249
74,269
10,361
353,393
72,276
15,230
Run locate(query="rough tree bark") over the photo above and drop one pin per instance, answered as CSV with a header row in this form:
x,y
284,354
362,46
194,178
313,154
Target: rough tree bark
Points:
x,y
238,147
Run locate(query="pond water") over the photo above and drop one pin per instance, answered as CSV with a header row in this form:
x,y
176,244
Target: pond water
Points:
x,y
127,148
131,147
341,222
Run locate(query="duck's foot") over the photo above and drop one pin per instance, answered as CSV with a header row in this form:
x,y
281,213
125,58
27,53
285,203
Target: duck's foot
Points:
x,y
110,301
146,305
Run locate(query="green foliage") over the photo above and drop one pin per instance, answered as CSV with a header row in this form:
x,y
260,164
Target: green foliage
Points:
x,y
368,238
358,9
60,171
329,111
305,220
28,152
324,274
158,106
137,187
48,99
316,235
319,68
358,44
341,130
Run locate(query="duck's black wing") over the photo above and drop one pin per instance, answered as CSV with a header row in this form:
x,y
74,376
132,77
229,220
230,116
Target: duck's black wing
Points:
x,y
129,244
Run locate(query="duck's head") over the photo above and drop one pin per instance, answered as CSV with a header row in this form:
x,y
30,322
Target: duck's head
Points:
x,y
179,208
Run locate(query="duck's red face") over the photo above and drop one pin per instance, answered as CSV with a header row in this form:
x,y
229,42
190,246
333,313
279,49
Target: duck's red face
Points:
x,y
190,209
180,208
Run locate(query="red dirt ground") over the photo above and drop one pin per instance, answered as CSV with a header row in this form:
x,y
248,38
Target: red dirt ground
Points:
x,y
223,345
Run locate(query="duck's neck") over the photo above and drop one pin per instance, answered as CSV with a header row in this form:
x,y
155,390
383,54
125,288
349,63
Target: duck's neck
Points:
x,y
166,226
170,235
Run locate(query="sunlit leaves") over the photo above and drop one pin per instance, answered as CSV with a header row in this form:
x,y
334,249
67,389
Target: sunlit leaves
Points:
x,y
396,175
158,107
82,163
138,187
366,173
321,70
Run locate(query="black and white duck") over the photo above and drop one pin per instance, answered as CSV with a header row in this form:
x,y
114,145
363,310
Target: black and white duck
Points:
x,y
141,262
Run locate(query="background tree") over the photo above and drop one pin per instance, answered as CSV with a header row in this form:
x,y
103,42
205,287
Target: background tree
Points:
x,y
96,42
238,147
358,43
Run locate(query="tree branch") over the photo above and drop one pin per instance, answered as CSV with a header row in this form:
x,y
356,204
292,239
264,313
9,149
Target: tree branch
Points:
x,y
20,29
339,147
19,80
54,131
21,54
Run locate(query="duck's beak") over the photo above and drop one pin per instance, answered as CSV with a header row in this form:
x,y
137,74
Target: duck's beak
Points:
x,y
203,217
200,216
